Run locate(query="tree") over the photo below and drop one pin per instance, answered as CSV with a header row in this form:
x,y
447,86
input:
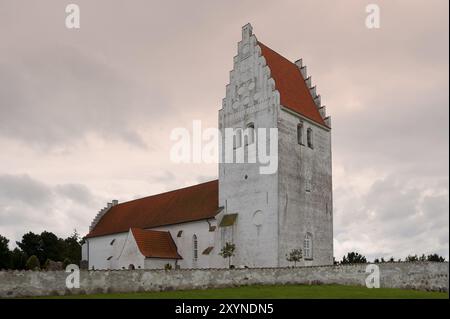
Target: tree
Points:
x,y
295,255
44,246
31,244
72,248
411,258
5,253
435,257
18,259
228,252
33,263
353,258
52,247
46,264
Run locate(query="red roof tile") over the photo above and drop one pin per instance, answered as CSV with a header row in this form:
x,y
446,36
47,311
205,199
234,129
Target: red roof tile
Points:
x,y
294,93
182,205
155,244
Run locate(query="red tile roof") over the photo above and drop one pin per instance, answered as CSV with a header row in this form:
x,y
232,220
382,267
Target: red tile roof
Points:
x,y
155,244
294,93
182,205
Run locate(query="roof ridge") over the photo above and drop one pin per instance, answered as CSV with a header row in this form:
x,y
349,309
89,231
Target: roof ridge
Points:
x,y
167,192
259,42
293,85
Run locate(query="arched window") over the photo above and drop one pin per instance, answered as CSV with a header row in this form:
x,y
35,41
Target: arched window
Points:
x,y
237,138
308,246
250,134
300,133
309,137
194,250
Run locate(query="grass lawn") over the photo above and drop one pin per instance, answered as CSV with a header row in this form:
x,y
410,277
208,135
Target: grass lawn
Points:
x,y
274,292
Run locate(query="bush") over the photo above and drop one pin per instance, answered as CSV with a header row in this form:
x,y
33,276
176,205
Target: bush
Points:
x,y
353,258
167,266
46,264
66,262
33,263
295,255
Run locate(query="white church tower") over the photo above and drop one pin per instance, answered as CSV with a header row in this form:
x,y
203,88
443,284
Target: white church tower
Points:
x,y
268,215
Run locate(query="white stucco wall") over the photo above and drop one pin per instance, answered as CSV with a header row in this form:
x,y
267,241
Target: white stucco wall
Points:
x,y
185,245
159,263
100,249
250,98
129,255
124,250
302,211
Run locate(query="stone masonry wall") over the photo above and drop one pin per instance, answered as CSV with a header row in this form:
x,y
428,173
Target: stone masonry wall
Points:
x,y
419,275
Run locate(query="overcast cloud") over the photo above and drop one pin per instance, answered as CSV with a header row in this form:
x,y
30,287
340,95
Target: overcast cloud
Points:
x,y
85,115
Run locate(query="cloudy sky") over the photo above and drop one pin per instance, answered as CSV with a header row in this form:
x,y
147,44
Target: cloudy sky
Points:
x,y
85,115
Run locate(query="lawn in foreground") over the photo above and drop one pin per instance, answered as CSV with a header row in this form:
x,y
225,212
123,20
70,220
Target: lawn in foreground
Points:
x,y
276,292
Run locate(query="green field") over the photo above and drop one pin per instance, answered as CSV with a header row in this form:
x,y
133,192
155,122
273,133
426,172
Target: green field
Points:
x,y
277,292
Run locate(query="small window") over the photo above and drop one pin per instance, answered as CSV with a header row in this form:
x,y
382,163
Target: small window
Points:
x,y
307,184
180,232
308,246
195,250
237,138
309,138
300,133
112,242
250,134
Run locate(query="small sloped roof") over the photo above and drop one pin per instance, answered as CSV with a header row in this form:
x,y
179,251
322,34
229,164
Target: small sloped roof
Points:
x,y
179,206
228,220
155,244
294,93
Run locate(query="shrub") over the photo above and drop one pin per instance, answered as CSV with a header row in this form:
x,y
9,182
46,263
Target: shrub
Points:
x,y
66,262
295,255
46,264
33,263
353,258
167,266
228,252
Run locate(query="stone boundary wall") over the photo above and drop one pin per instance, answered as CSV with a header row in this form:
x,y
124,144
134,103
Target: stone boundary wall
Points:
x,y
414,275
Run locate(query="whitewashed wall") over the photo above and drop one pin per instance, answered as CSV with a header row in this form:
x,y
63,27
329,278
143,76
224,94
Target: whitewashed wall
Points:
x,y
125,252
251,97
302,211
100,249
419,275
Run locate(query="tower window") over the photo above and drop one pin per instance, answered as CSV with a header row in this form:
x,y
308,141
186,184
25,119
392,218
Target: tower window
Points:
x,y
308,246
300,133
308,184
309,137
237,138
250,134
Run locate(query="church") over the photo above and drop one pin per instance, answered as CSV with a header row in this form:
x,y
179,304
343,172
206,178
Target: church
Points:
x,y
265,216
